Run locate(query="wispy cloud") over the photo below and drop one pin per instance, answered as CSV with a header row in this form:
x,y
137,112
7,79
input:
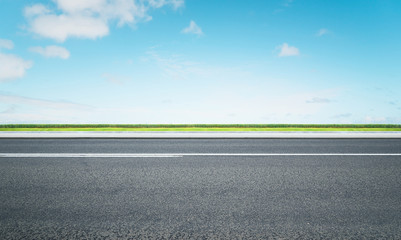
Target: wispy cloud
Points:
x,y
291,108
51,52
119,80
287,3
181,67
322,31
36,110
174,67
89,19
286,50
160,3
55,104
6,44
193,28
319,100
10,109
283,5
344,115
370,119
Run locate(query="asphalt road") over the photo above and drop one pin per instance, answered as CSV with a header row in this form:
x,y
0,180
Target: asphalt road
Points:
x,y
255,197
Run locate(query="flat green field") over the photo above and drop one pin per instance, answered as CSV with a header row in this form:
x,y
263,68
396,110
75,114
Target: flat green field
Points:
x,y
200,127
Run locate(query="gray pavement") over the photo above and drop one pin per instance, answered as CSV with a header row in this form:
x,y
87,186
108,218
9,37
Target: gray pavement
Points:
x,y
200,145
198,135
255,197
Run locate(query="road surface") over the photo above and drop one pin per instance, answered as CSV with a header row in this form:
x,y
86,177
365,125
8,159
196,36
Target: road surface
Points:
x,y
200,188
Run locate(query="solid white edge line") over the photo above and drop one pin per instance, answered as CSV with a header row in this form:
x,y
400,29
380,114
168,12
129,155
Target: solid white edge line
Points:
x,y
84,155
172,155
292,154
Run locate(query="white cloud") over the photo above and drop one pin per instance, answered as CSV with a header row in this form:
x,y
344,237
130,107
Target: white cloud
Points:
x,y
89,19
35,10
7,44
74,6
12,67
322,32
52,52
286,51
61,27
193,28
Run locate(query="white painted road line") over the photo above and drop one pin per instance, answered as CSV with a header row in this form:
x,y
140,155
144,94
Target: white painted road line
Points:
x,y
87,155
291,154
175,155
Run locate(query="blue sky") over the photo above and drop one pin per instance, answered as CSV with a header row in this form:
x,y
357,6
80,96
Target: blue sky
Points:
x,y
200,61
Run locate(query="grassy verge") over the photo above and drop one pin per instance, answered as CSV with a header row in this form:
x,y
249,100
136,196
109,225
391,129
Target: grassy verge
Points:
x,y
200,127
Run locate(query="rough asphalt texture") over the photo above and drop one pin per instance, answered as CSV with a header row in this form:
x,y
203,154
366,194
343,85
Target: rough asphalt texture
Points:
x,y
328,197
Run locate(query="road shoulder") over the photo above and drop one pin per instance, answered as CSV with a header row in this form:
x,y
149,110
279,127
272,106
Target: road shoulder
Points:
x,y
224,135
